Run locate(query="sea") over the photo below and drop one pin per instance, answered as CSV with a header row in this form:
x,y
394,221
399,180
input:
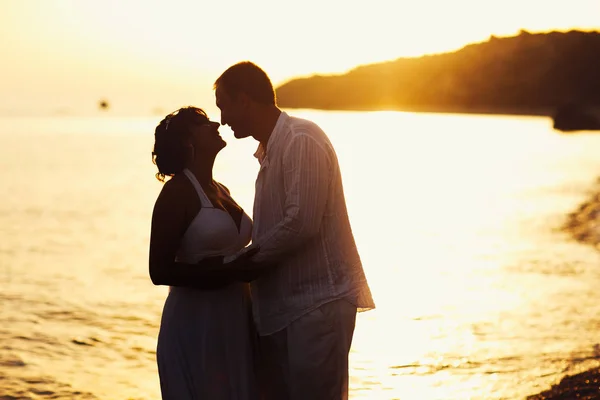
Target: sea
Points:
x,y
479,293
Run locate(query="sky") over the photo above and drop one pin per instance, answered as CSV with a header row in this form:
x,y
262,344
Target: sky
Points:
x,y
149,56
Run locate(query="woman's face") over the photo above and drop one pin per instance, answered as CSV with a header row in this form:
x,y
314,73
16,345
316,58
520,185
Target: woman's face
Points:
x,y
206,139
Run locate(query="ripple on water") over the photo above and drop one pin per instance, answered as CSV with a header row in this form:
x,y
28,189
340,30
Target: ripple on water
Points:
x,y
19,381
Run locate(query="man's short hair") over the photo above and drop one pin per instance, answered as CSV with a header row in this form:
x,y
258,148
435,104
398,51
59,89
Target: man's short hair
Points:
x,y
247,77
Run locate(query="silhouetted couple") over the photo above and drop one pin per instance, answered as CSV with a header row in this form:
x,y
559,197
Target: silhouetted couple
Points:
x,y
273,320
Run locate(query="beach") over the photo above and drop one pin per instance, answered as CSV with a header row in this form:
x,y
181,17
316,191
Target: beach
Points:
x,y
585,386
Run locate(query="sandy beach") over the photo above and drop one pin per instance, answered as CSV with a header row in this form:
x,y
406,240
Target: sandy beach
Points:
x,y
585,385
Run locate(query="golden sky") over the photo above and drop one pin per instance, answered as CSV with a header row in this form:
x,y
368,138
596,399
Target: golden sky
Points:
x,y
147,54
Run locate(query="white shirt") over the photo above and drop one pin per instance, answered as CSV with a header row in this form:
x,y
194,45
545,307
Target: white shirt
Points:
x,y
301,224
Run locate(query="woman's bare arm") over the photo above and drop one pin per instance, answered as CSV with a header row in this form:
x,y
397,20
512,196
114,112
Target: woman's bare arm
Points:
x,y
169,224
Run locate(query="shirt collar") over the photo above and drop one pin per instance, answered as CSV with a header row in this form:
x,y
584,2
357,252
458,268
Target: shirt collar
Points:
x,y
261,151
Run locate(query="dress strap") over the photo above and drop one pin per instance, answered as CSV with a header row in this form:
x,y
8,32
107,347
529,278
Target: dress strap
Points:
x,y
203,197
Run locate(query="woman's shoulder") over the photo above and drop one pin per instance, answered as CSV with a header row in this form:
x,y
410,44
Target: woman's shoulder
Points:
x,y
174,183
175,188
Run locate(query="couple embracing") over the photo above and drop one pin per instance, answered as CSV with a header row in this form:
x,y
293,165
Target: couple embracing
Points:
x,y
272,320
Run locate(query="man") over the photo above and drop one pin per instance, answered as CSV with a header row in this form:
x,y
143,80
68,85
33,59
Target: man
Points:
x,y
304,308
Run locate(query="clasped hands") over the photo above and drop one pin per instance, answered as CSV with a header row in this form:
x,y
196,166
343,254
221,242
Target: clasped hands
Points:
x,y
240,264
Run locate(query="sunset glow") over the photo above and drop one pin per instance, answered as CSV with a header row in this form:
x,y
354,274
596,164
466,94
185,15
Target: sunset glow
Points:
x,y
144,55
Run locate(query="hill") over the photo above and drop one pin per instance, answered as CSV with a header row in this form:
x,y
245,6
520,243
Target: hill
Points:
x,y
523,74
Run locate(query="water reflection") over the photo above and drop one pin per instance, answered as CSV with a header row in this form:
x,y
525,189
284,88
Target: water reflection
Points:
x,y
478,296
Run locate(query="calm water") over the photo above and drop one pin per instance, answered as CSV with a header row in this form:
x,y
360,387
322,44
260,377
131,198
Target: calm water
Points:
x,y
479,296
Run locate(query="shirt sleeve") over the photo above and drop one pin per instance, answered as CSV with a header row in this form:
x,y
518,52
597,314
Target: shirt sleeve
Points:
x,y
306,179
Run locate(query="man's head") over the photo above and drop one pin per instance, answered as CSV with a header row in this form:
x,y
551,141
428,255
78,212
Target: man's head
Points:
x,y
241,92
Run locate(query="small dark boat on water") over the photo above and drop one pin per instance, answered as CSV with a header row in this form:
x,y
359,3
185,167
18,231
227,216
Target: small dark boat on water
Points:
x,y
575,117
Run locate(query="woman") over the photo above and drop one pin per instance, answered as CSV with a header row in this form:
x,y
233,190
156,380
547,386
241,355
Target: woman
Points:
x,y
205,341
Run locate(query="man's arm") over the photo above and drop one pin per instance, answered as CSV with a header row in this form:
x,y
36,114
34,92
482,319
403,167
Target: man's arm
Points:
x,y
306,179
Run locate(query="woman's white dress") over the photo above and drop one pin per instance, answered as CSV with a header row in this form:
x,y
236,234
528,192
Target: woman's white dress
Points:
x,y
205,343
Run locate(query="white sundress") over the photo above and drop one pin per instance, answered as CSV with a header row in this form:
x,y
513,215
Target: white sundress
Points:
x,y
205,343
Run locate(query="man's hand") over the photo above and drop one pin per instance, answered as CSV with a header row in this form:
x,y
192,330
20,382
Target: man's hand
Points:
x,y
241,257
243,267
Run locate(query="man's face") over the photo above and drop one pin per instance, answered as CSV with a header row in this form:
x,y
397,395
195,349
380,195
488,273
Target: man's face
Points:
x,y
233,113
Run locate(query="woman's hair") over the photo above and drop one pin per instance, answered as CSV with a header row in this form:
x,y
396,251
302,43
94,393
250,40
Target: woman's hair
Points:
x,y
171,138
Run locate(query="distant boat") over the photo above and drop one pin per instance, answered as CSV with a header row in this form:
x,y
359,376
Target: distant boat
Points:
x,y
103,105
575,117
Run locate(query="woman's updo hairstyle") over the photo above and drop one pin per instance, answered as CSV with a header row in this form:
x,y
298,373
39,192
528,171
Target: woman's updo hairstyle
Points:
x,y
171,140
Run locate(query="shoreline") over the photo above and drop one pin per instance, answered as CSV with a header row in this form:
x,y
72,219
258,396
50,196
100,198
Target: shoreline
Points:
x,y
483,110
583,225
584,385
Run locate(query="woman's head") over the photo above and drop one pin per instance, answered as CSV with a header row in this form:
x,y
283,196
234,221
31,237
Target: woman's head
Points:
x,y
182,137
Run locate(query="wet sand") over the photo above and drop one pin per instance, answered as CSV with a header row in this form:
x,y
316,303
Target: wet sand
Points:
x,y
585,385
584,223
